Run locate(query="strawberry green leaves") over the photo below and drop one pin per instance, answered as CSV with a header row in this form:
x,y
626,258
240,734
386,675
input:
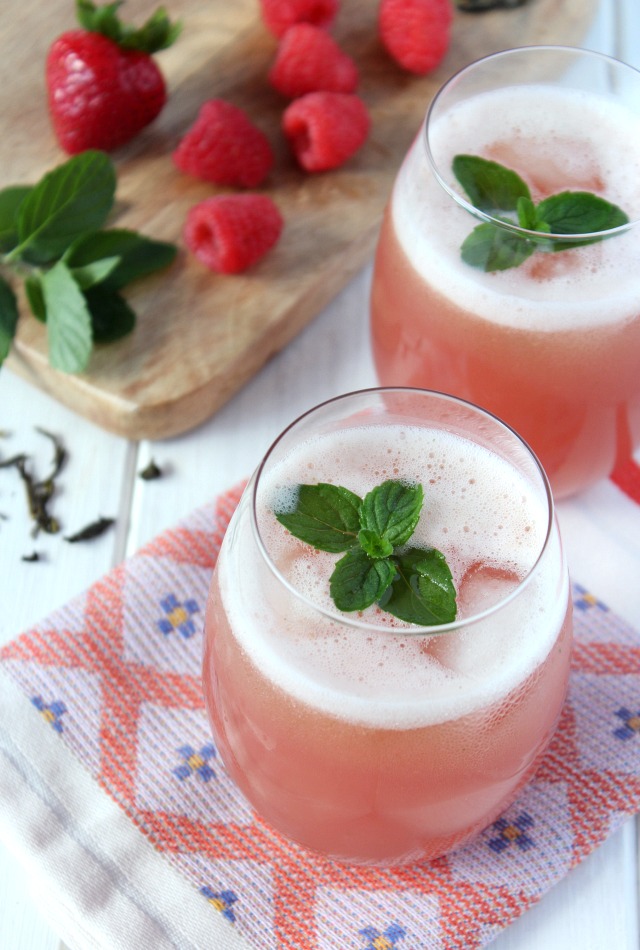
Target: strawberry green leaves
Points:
x,y
157,33
51,236
502,193
413,584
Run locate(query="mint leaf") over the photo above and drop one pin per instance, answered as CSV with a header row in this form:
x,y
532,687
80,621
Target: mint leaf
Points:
x,y
68,320
8,317
94,273
72,271
528,215
422,591
579,212
373,544
492,248
139,255
392,510
75,197
325,516
491,187
10,201
358,581
35,297
414,585
111,315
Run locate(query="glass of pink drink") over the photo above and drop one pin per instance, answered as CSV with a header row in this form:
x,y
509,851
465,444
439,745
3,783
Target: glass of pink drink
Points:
x,y
360,736
551,346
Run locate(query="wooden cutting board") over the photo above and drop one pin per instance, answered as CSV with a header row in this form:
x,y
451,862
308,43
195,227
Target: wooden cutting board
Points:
x,y
200,336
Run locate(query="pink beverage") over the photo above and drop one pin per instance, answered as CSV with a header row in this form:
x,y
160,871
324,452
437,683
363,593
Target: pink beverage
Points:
x,y
551,346
360,736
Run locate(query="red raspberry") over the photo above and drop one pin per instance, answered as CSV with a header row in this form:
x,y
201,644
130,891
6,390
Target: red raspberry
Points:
x,y
228,233
324,129
308,60
223,146
279,15
415,32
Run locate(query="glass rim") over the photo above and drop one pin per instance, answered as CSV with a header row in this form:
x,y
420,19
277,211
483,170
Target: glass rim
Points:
x,y
459,198
413,630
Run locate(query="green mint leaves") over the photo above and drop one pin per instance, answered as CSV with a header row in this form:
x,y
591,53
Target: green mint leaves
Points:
x,y
504,195
73,271
413,584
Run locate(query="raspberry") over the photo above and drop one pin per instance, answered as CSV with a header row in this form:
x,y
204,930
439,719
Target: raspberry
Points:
x,y
324,129
279,15
228,233
223,146
308,60
415,32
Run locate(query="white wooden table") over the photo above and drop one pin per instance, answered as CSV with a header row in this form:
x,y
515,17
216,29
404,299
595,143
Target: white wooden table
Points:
x,y
597,906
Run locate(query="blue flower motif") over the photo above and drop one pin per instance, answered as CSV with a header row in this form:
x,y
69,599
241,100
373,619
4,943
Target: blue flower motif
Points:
x,y
52,712
512,832
222,901
631,724
178,616
383,939
195,762
583,600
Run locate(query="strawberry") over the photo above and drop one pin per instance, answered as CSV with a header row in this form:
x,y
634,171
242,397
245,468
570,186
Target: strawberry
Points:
x,y
324,129
415,33
223,146
228,233
308,60
103,85
279,15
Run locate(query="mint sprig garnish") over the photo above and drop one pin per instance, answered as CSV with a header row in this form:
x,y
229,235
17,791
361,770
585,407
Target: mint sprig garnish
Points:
x,y
52,238
413,584
502,193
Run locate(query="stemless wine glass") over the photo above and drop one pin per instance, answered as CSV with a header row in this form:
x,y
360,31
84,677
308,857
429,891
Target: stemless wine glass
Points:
x,y
360,736
527,321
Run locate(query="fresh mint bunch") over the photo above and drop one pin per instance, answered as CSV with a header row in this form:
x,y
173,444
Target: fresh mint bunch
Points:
x,y
414,584
504,195
51,238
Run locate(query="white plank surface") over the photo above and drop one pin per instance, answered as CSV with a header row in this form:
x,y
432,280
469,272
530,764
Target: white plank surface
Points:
x,y
596,907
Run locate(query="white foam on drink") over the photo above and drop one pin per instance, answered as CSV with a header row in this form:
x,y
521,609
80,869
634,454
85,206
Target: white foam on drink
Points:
x,y
477,508
584,136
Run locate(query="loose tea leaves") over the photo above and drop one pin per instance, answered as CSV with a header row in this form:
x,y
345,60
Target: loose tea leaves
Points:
x,y
479,6
39,492
91,531
150,472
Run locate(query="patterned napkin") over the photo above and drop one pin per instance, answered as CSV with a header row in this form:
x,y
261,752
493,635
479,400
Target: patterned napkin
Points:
x,y
113,796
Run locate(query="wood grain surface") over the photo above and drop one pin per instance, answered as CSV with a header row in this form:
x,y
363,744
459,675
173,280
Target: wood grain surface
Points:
x,y
201,336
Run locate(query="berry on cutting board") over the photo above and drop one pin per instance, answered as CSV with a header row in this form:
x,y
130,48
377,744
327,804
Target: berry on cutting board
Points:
x,y
416,33
279,15
229,233
309,60
103,85
223,146
324,129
